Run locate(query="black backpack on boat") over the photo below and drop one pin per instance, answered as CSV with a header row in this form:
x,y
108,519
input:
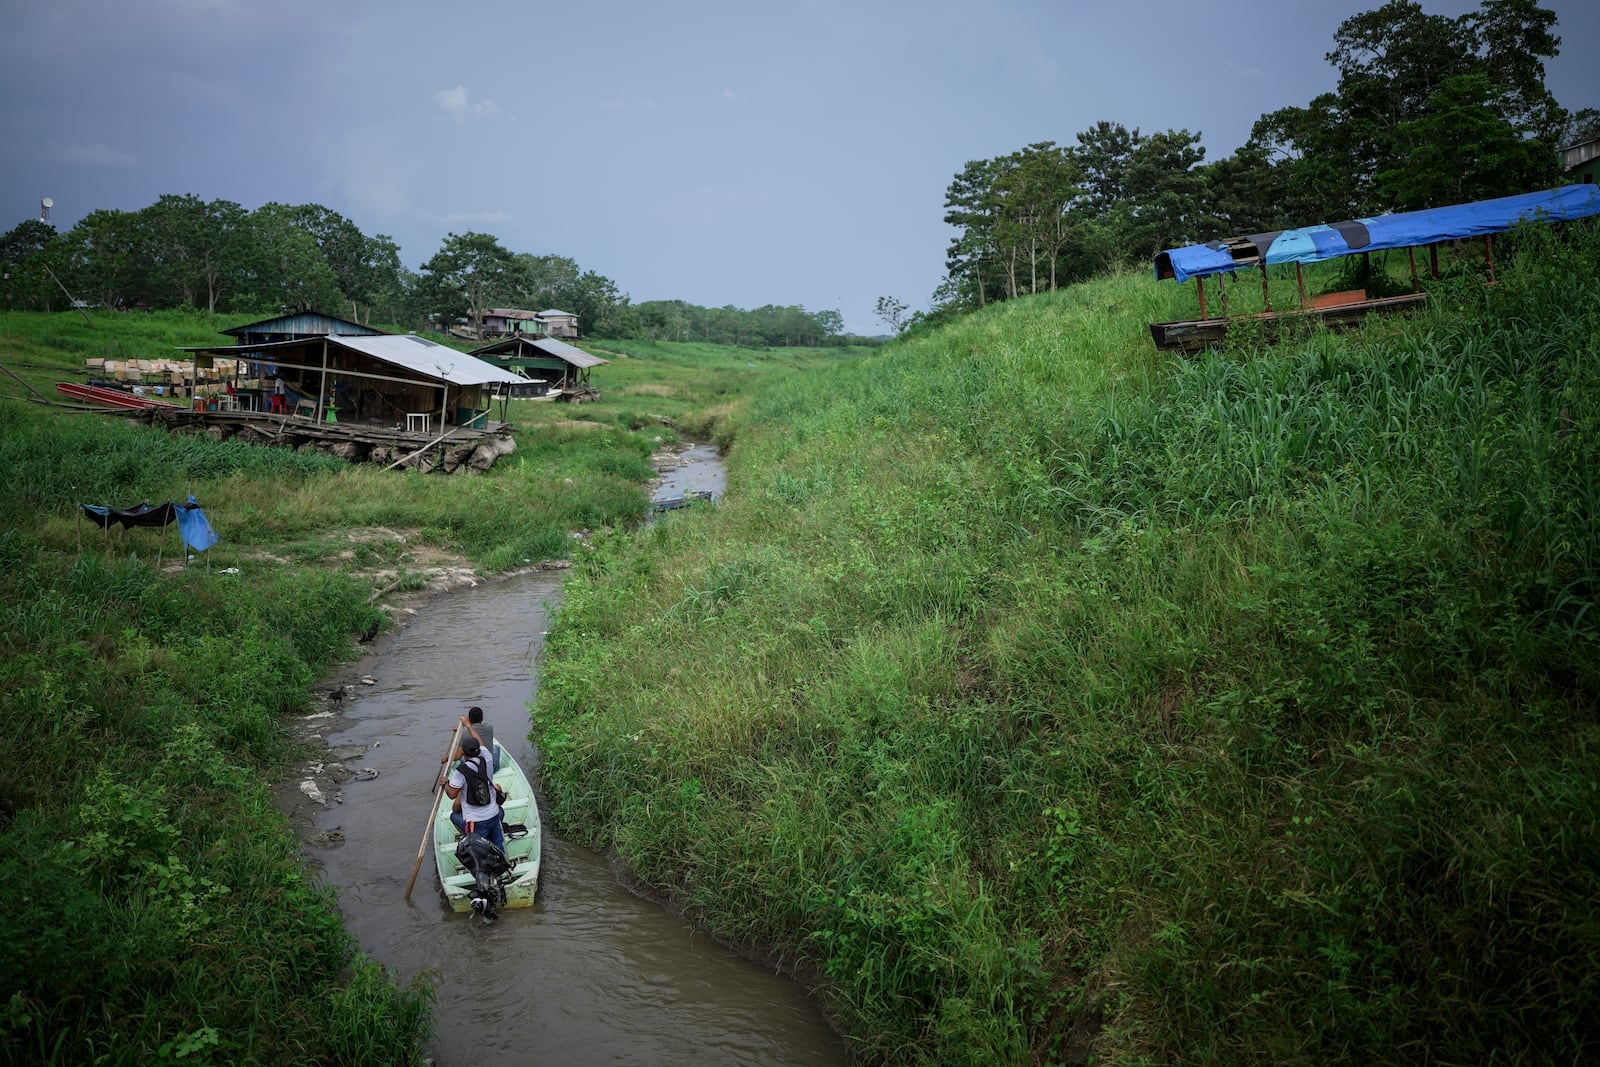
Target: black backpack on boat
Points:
x,y
476,772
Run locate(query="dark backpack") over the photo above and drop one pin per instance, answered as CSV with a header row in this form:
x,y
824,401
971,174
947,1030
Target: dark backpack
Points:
x,y
477,775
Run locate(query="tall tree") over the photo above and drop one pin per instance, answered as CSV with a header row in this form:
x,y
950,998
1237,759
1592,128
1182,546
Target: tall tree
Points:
x,y
29,254
194,248
1433,170
471,271
283,269
973,208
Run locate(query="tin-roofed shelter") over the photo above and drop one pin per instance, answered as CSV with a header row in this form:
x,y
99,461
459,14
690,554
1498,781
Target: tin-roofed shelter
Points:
x,y
562,369
391,380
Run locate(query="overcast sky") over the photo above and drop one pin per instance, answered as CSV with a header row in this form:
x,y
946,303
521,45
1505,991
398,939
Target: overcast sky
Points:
x,y
744,153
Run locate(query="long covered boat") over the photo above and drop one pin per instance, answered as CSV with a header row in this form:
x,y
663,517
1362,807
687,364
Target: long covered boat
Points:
x,y
522,843
1312,244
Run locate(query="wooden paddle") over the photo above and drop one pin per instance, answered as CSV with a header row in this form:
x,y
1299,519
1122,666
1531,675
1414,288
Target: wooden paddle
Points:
x,y
433,809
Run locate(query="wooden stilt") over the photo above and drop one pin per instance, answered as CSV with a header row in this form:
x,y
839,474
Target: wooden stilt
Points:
x,y
1266,298
1488,254
1200,284
1300,280
1416,284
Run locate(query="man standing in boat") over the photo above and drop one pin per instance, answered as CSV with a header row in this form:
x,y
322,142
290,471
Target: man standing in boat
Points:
x,y
475,818
472,722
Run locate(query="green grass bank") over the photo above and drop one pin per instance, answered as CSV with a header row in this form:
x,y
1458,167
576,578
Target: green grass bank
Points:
x,y
157,908
1056,701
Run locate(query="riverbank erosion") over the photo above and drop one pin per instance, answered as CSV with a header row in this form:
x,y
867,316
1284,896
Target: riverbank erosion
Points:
x,y
1059,701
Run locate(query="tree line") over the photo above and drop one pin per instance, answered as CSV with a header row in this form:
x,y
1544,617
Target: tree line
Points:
x,y
1428,110
217,256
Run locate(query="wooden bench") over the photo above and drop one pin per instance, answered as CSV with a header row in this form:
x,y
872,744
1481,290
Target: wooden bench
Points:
x,y
1339,299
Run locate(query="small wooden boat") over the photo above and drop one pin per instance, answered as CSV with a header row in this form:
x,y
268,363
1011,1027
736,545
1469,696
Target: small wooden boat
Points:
x,y
111,398
673,503
521,823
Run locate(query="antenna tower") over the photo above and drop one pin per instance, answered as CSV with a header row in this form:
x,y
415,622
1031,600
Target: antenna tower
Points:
x,y
44,209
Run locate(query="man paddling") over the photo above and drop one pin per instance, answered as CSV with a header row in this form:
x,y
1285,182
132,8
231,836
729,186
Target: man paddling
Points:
x,y
475,770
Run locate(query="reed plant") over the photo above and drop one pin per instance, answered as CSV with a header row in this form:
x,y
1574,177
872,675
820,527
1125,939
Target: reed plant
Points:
x,y
1050,700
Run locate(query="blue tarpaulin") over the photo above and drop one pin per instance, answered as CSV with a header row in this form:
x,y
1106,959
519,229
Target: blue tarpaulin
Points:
x,y
193,526
1407,229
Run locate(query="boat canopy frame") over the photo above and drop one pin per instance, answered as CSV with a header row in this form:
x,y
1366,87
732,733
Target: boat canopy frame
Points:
x,y
1314,244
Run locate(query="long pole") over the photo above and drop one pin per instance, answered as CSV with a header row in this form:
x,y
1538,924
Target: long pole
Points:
x,y
433,809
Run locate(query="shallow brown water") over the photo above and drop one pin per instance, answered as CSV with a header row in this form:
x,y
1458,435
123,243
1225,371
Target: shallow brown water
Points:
x,y
590,974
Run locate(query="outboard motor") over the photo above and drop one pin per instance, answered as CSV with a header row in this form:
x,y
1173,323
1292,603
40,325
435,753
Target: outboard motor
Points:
x,y
490,871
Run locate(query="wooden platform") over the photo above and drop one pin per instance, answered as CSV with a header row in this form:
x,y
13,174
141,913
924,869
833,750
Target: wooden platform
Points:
x,y
447,449
1195,335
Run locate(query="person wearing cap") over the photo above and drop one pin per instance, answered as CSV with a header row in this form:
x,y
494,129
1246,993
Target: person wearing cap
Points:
x,y
472,818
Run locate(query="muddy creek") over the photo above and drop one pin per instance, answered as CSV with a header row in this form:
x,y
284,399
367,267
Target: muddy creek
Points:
x,y
590,974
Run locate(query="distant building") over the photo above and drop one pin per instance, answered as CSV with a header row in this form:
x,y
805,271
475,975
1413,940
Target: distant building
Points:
x,y
553,323
500,322
1579,158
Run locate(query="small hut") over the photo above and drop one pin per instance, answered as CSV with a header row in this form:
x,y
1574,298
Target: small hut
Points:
x,y
547,367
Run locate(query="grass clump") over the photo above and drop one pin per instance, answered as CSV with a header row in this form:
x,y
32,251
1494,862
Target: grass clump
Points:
x,y
1054,701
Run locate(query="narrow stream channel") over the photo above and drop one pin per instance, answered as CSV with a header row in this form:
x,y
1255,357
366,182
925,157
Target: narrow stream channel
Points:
x,y
590,974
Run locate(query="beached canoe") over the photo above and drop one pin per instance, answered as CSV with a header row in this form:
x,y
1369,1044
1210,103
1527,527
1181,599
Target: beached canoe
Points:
x,y
522,842
673,503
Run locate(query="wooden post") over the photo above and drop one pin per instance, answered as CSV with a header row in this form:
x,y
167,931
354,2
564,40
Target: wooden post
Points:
x,y
433,809
1200,285
1488,253
1411,254
1266,297
1433,261
1300,280
1222,287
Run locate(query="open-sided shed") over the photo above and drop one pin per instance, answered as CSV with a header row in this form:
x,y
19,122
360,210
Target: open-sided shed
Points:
x,y
398,380
562,369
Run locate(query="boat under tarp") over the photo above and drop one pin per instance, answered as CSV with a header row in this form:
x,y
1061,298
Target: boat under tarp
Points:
x,y
1312,244
1406,229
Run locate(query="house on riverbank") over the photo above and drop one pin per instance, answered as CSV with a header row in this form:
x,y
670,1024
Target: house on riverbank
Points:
x,y
547,367
366,396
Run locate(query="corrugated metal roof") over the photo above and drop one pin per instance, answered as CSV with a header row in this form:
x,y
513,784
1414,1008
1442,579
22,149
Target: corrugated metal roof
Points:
x,y
417,354
427,357
548,346
553,311
303,322
561,350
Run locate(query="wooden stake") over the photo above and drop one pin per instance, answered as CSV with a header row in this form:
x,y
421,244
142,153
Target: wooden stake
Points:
x,y
1200,284
1266,298
1300,280
433,809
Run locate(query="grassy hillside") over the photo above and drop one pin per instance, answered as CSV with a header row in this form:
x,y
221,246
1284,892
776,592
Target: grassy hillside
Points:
x,y
1052,700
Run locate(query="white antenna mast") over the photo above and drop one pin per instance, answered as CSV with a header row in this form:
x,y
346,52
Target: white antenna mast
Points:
x,y
44,209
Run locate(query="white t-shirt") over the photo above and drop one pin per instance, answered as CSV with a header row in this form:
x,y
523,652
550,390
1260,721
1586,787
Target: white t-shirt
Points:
x,y
470,811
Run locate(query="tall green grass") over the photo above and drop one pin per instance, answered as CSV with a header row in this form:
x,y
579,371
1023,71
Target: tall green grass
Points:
x,y
1053,700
